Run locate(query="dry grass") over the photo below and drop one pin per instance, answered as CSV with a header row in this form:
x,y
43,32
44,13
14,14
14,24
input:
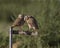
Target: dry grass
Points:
x,y
16,44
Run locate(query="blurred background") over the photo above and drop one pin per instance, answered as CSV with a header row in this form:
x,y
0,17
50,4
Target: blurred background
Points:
x,y
47,14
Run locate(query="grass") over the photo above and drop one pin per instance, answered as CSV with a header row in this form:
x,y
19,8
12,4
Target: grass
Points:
x,y
47,14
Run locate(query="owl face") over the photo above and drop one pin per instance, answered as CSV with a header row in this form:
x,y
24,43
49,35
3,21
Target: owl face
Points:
x,y
26,18
19,16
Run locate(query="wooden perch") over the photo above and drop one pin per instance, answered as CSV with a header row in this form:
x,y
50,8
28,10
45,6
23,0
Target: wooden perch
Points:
x,y
11,32
22,32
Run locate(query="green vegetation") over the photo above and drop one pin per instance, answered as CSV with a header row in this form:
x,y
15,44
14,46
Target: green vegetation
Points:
x,y
47,14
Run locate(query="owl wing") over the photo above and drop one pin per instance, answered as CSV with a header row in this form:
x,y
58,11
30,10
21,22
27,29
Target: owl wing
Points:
x,y
17,21
35,24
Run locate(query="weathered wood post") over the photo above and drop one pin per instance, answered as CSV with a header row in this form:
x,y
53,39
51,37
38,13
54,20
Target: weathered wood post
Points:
x,y
10,37
11,32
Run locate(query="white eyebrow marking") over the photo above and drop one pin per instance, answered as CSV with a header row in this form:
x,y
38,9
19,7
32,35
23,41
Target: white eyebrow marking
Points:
x,y
19,16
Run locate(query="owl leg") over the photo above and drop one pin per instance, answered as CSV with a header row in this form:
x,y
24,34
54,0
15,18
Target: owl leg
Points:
x,y
29,27
35,32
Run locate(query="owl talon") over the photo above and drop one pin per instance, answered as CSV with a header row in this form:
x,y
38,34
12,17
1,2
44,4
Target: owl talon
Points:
x,y
34,33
